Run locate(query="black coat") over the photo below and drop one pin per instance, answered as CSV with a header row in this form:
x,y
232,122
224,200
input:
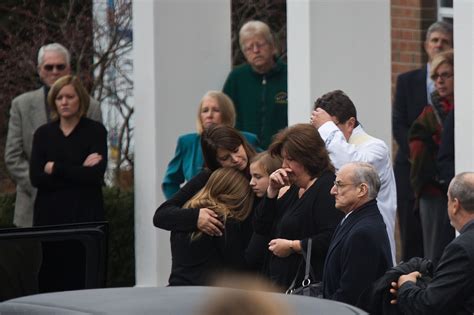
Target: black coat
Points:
x,y
377,299
290,217
358,255
197,262
451,291
410,99
73,192
445,159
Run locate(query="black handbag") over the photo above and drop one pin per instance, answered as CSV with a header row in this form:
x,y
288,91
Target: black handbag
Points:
x,y
307,288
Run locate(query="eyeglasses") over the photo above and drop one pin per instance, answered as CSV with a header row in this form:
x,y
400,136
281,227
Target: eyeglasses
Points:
x,y
444,76
340,185
257,45
59,67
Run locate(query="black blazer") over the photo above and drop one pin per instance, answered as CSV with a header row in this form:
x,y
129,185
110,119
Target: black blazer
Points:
x,y
452,289
358,255
410,98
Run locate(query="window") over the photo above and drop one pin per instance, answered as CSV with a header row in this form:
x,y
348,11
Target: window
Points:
x,y
445,10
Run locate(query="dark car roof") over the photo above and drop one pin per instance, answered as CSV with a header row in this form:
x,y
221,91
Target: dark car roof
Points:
x,y
153,300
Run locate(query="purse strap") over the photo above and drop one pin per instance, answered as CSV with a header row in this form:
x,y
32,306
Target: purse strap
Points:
x,y
308,270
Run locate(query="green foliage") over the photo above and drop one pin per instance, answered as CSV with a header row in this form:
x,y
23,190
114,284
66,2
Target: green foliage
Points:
x,y
121,251
7,204
120,214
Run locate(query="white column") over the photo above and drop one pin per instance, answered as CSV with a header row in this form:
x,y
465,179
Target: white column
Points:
x,y
299,59
181,50
464,82
341,44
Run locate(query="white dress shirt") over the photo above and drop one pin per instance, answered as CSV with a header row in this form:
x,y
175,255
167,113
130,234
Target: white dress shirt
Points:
x,y
362,147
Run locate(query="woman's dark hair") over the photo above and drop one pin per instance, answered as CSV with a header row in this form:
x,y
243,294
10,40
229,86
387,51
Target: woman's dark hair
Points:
x,y
222,137
303,143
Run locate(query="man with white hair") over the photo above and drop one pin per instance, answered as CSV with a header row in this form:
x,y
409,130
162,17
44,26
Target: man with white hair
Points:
x,y
28,112
359,252
259,87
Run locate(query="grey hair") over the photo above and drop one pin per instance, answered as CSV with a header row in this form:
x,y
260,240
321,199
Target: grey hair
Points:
x,y
462,188
366,173
253,28
440,26
56,47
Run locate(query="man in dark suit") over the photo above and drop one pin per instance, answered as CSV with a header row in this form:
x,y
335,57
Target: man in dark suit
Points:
x,y
413,92
359,252
29,111
451,291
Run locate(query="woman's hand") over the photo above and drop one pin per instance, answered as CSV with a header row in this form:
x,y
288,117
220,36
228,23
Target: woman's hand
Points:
x,y
278,179
280,247
48,167
92,159
209,223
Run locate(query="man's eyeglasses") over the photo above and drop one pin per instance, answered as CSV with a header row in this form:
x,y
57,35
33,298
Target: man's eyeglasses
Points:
x,y
59,67
340,185
444,76
257,45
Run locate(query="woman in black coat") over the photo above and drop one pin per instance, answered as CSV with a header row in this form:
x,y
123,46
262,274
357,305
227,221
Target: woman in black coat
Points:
x,y
68,159
222,147
298,205
197,257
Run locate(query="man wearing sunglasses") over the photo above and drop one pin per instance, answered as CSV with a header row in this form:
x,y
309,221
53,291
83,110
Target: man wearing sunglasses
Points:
x,y
28,112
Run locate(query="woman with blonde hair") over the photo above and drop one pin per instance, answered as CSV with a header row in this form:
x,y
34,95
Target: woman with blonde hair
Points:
x,y
215,108
197,257
424,139
68,159
261,166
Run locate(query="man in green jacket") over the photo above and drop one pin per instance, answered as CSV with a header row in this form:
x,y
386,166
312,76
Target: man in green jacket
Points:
x,y
259,87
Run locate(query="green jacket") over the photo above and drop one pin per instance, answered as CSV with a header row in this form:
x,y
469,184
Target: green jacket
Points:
x,y
261,100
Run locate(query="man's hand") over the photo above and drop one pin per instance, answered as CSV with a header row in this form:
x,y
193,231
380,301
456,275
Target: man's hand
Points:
x,y
209,223
394,292
280,247
401,280
92,159
319,117
409,277
48,167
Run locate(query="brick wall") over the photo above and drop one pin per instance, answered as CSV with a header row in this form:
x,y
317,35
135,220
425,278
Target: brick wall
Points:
x,y
410,19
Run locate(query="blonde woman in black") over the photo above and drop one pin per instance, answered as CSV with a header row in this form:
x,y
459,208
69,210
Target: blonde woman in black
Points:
x,y
197,257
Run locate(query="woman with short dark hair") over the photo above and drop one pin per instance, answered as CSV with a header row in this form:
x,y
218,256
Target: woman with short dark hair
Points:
x,y
306,210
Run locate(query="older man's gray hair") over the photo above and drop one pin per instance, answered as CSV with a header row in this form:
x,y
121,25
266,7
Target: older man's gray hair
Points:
x,y
462,188
441,27
366,173
56,47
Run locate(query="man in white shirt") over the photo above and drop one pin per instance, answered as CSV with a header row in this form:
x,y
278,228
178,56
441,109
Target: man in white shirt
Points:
x,y
335,118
